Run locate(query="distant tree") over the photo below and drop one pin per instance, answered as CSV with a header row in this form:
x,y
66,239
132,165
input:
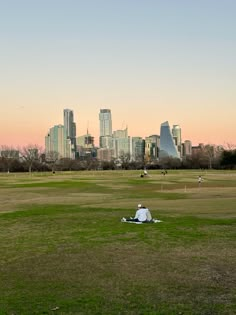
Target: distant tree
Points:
x,y
30,154
78,164
208,154
230,146
152,165
187,162
124,160
107,165
202,157
8,156
228,159
52,158
211,153
170,162
67,164
17,166
91,163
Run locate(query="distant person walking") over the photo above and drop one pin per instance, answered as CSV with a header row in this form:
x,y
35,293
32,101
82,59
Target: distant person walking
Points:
x,y
199,180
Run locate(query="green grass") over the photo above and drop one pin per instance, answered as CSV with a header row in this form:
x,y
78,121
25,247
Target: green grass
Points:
x,y
63,249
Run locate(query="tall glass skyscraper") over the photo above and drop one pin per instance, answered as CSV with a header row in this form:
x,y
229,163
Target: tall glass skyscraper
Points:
x,y
70,127
167,144
105,139
176,132
137,149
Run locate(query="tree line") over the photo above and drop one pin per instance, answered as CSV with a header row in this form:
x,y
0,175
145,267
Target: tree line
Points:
x,y
32,158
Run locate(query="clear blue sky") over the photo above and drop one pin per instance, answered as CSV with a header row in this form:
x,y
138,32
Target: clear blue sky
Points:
x,y
148,61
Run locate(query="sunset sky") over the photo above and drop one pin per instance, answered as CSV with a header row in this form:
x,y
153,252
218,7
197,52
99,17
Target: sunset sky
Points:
x,y
147,60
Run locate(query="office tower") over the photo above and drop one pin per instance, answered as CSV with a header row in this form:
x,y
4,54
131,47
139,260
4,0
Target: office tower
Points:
x,y
104,154
152,145
56,141
121,147
85,145
70,128
85,141
121,143
187,148
137,149
176,133
167,145
105,139
122,133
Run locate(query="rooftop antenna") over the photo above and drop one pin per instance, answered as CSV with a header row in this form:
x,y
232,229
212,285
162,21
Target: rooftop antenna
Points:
x,y
86,137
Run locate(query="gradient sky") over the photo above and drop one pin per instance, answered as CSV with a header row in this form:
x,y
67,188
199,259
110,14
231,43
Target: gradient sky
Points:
x,y
147,60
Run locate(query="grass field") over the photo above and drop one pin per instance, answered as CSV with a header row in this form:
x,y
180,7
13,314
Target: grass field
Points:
x,y
63,249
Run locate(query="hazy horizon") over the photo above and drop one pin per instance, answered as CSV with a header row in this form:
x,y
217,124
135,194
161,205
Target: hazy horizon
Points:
x,y
147,61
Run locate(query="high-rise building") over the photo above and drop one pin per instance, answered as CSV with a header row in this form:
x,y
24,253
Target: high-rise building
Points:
x,y
167,144
57,142
187,148
152,145
137,149
121,143
70,128
122,147
176,133
104,154
85,141
121,133
105,139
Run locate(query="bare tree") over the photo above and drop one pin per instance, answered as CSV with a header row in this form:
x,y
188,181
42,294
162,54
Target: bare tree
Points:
x,y
212,153
125,159
51,158
30,154
230,146
209,153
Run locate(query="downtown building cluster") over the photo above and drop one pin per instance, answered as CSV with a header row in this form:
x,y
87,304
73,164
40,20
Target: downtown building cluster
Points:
x,y
114,144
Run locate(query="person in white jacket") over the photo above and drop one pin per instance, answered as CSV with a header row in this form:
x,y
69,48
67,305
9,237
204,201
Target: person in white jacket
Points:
x,y
142,214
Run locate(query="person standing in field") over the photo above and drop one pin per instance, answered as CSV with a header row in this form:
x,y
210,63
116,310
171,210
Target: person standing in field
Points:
x,y
199,180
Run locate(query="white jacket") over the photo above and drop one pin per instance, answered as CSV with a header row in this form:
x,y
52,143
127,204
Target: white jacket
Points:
x,y
143,214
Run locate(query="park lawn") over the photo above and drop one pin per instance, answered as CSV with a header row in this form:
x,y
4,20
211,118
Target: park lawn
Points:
x,y
63,249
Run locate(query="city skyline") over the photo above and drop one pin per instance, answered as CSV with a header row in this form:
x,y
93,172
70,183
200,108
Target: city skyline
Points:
x,y
61,141
148,62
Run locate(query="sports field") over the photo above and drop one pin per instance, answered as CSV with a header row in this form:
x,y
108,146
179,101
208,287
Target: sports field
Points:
x,y
63,249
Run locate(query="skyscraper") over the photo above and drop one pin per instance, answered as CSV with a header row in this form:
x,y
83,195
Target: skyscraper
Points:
x,y
137,149
187,148
176,132
70,128
56,141
167,145
121,143
152,145
105,139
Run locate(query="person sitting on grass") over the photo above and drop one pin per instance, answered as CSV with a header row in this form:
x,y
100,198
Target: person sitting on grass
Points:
x,y
142,215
